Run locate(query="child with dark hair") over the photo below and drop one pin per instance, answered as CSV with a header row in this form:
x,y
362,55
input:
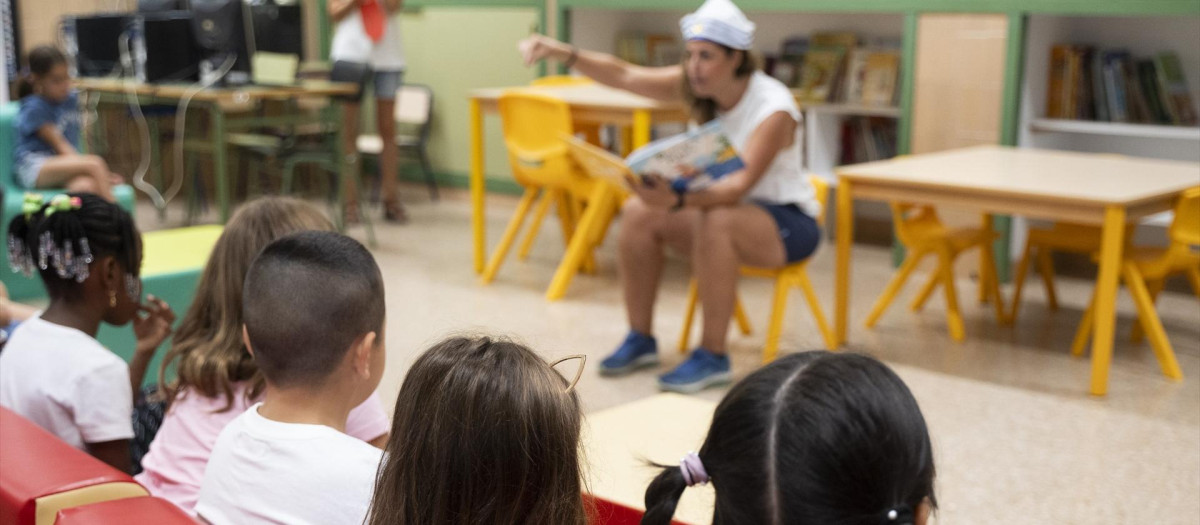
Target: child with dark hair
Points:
x,y
47,153
53,371
812,438
485,431
313,308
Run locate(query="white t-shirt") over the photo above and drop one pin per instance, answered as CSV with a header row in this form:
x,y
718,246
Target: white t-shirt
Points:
x,y
350,42
64,381
264,471
784,181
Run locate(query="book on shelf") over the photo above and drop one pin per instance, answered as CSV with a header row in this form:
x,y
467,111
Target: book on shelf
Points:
x,y
1174,89
856,70
649,50
1111,85
692,160
879,78
867,139
819,72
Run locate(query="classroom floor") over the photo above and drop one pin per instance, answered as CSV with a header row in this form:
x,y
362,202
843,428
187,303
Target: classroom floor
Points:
x,y
1016,437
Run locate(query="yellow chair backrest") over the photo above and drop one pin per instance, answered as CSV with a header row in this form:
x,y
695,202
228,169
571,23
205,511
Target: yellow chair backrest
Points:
x,y
821,188
533,126
561,80
1185,229
915,222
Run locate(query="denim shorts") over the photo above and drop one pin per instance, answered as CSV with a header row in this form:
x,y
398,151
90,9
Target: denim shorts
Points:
x,y
27,169
386,83
799,231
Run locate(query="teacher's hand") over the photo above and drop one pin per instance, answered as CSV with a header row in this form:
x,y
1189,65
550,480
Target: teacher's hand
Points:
x,y
540,47
655,190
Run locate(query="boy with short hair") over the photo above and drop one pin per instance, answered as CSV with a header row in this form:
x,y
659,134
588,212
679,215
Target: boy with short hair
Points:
x,y
313,306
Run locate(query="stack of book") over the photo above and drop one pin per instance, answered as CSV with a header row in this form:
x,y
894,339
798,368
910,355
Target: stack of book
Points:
x,y
1111,85
834,68
867,139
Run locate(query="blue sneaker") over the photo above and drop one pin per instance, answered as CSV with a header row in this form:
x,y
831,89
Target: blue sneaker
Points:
x,y
637,351
701,370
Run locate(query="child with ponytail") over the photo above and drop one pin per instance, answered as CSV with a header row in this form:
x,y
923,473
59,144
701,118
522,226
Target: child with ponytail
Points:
x,y
53,372
813,438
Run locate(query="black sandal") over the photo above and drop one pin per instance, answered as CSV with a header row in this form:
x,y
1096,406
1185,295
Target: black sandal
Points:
x,y
393,211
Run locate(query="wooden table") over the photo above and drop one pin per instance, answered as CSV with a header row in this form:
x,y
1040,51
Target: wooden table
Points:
x,y
1063,186
617,443
216,102
589,103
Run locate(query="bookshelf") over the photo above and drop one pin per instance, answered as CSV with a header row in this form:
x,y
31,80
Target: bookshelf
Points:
x,y
1143,36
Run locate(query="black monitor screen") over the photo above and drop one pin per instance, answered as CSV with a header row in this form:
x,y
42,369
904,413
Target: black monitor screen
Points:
x,y
278,27
218,24
98,37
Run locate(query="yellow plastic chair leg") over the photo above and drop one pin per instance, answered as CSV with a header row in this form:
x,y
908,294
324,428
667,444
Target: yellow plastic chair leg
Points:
x,y
1084,333
1019,279
993,284
1136,335
775,327
926,290
688,316
739,315
953,316
1193,275
810,296
1148,316
510,234
576,210
539,215
580,245
1046,268
893,287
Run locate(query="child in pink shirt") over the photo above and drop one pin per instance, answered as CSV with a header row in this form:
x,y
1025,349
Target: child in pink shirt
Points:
x,y
217,379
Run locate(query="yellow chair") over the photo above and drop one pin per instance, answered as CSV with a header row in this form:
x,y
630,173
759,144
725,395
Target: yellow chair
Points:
x,y
922,233
794,275
1061,237
1143,271
533,125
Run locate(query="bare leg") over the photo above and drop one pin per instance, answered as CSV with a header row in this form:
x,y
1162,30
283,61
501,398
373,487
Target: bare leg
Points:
x,y
83,173
644,232
726,238
389,158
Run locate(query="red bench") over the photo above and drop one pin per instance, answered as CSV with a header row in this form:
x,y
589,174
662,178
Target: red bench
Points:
x,y
123,511
41,475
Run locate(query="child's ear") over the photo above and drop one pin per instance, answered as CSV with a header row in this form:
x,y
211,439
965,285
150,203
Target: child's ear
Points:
x,y
362,355
246,340
923,512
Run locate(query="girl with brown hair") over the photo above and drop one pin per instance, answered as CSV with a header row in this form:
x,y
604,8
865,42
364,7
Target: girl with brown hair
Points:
x,y
484,431
216,378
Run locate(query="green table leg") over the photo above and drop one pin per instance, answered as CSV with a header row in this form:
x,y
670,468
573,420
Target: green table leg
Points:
x,y
220,163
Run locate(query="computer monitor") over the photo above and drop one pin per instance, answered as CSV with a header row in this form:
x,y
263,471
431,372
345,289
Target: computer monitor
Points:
x,y
161,6
165,49
278,26
92,43
220,29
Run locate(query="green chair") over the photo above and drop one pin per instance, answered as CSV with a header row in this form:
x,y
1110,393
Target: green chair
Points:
x,y
19,286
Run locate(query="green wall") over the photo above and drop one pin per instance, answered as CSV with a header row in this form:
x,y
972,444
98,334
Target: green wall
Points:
x,y
454,50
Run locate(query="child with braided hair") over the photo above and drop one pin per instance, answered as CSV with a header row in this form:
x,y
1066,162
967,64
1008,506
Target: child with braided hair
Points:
x,y
53,372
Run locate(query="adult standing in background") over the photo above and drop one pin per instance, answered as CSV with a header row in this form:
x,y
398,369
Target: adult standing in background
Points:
x,y
368,32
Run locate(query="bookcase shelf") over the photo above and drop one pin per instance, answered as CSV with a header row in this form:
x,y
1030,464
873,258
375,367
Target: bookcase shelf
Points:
x,y
1087,127
852,110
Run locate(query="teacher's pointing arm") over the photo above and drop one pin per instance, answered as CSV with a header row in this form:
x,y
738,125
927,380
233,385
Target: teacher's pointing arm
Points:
x,y
661,83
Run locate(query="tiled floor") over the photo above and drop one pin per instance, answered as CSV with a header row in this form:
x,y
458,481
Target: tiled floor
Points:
x,y
1017,438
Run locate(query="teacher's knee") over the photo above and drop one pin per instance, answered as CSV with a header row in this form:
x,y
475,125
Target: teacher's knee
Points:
x,y
636,216
718,223
83,184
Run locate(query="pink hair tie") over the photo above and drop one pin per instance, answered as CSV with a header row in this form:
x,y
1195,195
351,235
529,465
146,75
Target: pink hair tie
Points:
x,y
693,470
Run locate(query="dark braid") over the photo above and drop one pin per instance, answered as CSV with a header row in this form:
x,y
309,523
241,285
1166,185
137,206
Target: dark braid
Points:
x,y
60,244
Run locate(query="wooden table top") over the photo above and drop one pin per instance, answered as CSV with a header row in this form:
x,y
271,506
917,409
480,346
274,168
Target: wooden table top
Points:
x,y
619,441
1069,177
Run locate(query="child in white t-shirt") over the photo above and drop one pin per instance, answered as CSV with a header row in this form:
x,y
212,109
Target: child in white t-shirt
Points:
x,y
53,372
313,307
216,378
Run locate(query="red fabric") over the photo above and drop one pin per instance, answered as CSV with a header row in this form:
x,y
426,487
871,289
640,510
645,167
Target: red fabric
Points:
x,y
35,463
373,19
122,511
604,512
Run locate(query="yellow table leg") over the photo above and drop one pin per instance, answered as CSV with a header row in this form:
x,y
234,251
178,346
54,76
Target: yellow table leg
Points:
x,y
1106,297
985,275
477,186
641,128
845,236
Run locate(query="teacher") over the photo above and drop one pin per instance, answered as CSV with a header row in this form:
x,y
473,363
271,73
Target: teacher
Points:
x,y
762,216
